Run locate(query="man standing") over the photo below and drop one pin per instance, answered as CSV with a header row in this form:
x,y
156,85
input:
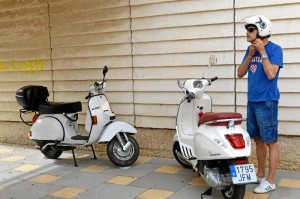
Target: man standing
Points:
x,y
262,61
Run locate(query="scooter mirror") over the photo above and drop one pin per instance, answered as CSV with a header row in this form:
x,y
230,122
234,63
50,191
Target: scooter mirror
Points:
x,y
180,85
212,60
105,69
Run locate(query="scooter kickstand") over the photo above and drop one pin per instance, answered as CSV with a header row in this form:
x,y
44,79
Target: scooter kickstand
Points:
x,y
208,192
75,162
95,158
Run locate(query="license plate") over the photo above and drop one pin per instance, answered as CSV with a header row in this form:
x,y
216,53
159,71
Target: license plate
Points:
x,y
243,173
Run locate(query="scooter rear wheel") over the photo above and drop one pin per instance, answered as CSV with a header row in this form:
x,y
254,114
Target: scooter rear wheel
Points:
x,y
234,192
178,156
118,156
50,151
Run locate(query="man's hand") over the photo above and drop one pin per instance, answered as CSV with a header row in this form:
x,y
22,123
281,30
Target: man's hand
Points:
x,y
252,51
259,45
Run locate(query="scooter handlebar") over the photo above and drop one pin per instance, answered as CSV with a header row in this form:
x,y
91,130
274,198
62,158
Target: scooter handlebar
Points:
x,y
96,84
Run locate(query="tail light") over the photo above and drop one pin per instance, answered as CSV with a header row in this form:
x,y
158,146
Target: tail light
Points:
x,y
35,117
236,140
94,120
243,161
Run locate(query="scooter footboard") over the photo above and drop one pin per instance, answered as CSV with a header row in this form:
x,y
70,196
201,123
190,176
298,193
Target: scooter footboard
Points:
x,y
113,128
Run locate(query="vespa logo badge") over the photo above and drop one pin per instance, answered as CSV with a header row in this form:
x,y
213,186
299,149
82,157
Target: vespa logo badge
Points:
x,y
214,154
95,108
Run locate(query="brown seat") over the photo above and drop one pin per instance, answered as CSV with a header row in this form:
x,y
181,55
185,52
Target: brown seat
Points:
x,y
209,116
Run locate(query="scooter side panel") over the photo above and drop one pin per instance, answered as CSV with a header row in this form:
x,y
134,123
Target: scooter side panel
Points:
x,y
211,143
113,128
47,128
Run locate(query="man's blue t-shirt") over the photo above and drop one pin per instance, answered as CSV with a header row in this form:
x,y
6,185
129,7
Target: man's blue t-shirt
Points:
x,y
260,88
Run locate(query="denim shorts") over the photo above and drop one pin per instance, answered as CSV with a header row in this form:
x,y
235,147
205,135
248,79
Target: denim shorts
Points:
x,y
262,121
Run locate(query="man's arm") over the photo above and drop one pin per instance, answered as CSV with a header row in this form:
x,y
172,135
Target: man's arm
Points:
x,y
243,68
270,69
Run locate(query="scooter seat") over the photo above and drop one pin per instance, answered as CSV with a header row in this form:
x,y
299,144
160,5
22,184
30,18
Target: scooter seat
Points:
x,y
59,107
211,117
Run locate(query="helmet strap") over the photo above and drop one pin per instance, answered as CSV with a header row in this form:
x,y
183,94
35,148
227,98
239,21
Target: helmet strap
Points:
x,y
257,36
260,37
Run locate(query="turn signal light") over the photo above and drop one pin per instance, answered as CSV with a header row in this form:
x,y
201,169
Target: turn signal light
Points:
x,y
29,133
94,120
236,140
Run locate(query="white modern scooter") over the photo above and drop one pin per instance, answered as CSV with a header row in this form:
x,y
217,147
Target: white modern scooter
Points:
x,y
212,144
55,129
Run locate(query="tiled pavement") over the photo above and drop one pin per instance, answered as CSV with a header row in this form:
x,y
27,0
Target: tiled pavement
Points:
x,y
25,173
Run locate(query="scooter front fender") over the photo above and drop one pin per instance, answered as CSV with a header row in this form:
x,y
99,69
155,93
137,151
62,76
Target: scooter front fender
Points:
x,y
175,137
113,128
47,128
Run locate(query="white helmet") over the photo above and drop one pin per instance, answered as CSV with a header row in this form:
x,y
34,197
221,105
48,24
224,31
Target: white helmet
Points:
x,y
262,23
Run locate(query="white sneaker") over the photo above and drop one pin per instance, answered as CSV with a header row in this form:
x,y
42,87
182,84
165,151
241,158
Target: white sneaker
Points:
x,y
259,180
265,187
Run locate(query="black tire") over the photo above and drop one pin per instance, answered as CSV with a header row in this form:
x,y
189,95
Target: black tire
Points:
x,y
181,160
51,152
234,192
120,157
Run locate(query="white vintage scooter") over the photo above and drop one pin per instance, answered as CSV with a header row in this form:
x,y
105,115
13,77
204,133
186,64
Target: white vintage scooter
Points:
x,y
55,129
212,144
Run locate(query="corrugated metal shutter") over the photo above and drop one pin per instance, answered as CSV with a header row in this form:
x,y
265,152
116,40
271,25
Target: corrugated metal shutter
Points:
x,y
147,45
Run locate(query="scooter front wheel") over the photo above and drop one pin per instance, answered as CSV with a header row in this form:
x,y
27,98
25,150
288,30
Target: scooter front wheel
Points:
x,y
178,156
121,157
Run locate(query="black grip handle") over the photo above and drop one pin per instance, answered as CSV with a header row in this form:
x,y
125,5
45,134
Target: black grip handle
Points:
x,y
87,97
190,97
214,79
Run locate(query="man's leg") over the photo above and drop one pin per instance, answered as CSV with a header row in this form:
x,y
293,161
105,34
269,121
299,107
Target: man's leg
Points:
x,y
261,153
274,156
269,184
267,120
